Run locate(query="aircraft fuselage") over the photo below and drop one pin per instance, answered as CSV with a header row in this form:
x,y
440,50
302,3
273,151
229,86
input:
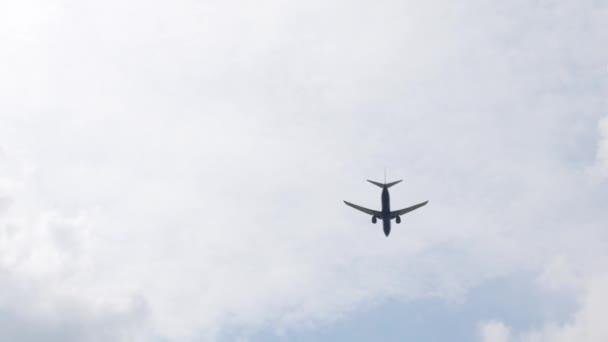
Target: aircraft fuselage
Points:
x,y
386,211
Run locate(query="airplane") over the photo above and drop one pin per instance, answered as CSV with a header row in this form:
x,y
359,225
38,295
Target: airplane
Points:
x,y
386,215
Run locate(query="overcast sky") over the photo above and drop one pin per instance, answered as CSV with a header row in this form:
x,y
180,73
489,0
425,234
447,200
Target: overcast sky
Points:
x,y
174,171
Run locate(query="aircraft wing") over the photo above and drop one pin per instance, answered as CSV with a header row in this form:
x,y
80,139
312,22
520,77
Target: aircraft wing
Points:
x,y
407,210
365,210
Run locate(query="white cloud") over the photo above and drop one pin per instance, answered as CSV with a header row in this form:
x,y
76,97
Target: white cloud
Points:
x,y
561,275
42,253
602,154
192,159
587,325
494,332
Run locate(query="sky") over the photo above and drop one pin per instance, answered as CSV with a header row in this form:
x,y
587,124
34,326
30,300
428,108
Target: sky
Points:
x,y
175,171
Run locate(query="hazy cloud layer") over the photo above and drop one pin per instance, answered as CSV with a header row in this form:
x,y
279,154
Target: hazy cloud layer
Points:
x,y
494,332
602,155
175,171
587,324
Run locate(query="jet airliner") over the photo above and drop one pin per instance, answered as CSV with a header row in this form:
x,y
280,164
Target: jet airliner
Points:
x,y
386,215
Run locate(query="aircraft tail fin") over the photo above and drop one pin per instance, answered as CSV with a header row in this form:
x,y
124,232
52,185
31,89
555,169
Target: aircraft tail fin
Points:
x,y
388,185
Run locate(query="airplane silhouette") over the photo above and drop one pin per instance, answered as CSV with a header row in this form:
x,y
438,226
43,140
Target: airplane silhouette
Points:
x,y
386,215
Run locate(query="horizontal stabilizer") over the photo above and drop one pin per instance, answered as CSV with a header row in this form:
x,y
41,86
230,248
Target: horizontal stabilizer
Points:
x,y
393,183
376,183
388,185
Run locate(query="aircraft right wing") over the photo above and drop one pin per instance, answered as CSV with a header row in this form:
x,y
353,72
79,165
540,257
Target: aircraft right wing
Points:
x,y
365,210
407,210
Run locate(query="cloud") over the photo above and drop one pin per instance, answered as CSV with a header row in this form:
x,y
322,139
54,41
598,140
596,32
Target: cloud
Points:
x,y
602,154
42,254
586,325
183,167
561,275
494,332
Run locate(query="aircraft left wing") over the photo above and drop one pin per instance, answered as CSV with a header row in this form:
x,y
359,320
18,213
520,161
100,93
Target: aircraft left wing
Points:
x,y
365,210
407,210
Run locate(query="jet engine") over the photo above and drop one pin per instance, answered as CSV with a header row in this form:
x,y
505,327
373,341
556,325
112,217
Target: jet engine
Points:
x,y
398,219
374,219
